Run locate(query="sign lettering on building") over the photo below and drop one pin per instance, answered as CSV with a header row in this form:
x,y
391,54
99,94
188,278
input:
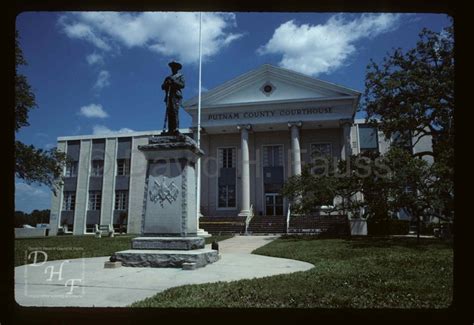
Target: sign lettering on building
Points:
x,y
268,113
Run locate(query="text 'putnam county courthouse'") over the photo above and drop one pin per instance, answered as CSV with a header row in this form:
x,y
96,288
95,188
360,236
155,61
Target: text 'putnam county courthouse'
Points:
x,y
257,130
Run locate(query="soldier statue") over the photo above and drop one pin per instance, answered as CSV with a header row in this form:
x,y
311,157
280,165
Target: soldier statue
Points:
x,y
172,87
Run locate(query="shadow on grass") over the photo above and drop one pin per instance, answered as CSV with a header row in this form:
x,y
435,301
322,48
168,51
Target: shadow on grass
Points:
x,y
377,242
390,242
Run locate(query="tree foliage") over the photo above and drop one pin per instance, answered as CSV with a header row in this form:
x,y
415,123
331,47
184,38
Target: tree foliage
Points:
x,y
340,185
33,165
33,218
414,91
412,94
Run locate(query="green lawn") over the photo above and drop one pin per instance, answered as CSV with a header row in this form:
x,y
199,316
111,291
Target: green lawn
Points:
x,y
358,273
67,247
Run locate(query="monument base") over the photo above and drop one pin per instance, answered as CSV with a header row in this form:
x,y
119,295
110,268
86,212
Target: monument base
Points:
x,y
202,233
179,243
166,258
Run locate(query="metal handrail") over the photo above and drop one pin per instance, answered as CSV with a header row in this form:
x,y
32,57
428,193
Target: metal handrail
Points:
x,y
288,214
247,220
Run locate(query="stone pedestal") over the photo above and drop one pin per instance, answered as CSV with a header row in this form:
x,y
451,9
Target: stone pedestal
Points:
x,y
169,224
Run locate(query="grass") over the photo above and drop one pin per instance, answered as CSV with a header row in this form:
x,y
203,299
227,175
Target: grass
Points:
x,y
69,247
353,273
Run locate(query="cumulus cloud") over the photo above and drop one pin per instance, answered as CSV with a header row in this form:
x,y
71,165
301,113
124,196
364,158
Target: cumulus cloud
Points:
x,y
93,110
95,58
172,34
323,48
30,197
103,80
103,130
83,31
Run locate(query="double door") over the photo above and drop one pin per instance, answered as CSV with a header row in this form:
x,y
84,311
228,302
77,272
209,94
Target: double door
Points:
x,y
273,204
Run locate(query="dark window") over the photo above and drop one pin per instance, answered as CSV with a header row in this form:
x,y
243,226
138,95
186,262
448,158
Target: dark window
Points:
x,y
321,154
121,200
368,138
97,168
319,150
272,156
123,167
227,196
71,169
227,157
95,198
69,201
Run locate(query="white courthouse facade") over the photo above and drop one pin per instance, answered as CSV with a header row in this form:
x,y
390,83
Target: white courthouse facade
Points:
x,y
256,131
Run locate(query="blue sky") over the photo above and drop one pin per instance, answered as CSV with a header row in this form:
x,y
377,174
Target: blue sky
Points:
x,y
96,73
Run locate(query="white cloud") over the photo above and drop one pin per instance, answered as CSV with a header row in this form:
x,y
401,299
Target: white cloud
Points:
x,y
102,129
323,48
103,80
95,58
174,35
30,197
49,146
93,110
83,31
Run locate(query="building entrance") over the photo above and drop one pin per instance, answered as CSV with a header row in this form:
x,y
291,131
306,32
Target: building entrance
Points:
x,y
273,204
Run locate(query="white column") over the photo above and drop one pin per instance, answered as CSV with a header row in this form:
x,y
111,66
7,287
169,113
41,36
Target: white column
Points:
x,y
138,165
82,193
108,185
245,169
295,147
346,149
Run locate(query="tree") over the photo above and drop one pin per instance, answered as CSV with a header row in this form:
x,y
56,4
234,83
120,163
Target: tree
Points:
x,y
32,165
412,185
414,91
411,95
340,185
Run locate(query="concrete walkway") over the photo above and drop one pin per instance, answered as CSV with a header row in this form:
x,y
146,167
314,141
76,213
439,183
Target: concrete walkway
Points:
x,y
86,283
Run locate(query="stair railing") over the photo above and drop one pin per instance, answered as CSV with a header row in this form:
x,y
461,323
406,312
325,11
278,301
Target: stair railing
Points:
x,y
288,214
247,220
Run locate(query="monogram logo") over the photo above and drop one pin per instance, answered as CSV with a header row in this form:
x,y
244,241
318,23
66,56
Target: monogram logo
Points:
x,y
161,192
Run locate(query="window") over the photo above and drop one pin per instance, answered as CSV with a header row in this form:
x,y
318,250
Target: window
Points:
x,y
226,196
368,138
319,150
71,169
121,200
97,167
123,167
321,154
69,201
226,157
272,156
95,198
226,180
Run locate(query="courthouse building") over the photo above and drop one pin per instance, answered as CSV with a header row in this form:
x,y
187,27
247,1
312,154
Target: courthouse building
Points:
x,y
257,130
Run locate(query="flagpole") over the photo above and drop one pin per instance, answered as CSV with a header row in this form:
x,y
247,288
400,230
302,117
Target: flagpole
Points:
x,y
198,138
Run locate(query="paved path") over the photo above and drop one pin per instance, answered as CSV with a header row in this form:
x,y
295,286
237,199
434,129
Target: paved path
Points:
x,y
100,287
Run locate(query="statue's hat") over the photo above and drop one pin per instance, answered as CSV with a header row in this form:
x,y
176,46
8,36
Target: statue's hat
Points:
x,y
175,64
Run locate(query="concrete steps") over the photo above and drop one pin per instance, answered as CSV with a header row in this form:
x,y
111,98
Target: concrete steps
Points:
x,y
223,225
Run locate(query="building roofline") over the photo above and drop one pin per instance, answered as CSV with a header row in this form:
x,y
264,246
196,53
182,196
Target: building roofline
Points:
x,y
117,135
270,68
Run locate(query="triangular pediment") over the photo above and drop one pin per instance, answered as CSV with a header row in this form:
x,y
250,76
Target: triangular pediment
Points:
x,y
269,84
